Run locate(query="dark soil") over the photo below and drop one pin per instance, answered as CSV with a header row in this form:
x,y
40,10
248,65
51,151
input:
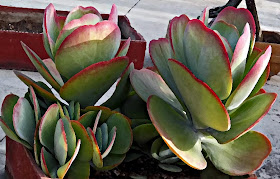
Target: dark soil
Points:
x,y
146,167
22,26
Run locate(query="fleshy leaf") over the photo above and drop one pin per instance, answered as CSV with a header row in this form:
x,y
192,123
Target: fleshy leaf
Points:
x,y
40,66
111,161
202,45
47,127
97,158
252,59
36,106
70,136
79,169
246,116
106,112
87,86
113,16
124,133
86,151
246,86
48,163
39,90
53,71
124,48
198,95
176,31
111,141
239,57
146,83
239,157
37,147
60,143
77,111
144,133
170,168
204,16
87,19
228,31
92,43
23,120
185,144
61,172
80,11
160,51
87,119
105,136
7,110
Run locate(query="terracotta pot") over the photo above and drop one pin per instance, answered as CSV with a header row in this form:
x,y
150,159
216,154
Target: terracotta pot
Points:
x,y
273,39
13,56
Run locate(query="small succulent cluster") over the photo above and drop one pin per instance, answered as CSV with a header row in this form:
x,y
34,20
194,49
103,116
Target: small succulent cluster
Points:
x,y
206,94
68,134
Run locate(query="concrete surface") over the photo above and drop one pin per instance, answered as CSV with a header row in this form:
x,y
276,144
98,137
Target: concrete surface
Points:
x,y
150,18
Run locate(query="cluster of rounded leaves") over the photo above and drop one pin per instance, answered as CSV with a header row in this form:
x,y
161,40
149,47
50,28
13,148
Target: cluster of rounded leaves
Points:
x,y
86,59
205,94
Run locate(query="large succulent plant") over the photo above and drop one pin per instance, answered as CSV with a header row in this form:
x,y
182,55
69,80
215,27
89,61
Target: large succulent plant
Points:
x,y
67,133
208,94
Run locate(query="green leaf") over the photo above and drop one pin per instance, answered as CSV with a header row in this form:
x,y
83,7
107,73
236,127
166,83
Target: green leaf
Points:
x,y
87,86
53,71
197,95
87,45
202,45
111,161
144,133
124,133
170,168
48,163
239,157
105,136
60,143
146,83
86,150
204,16
47,127
97,158
246,116
37,145
77,111
23,120
7,110
111,141
124,48
87,119
106,112
80,11
36,105
79,169
176,133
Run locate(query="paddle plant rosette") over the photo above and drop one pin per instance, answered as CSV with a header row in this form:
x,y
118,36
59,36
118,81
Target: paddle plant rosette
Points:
x,y
207,95
85,57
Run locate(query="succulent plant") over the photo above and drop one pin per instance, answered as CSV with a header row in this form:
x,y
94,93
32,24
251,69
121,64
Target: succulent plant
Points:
x,y
66,132
207,95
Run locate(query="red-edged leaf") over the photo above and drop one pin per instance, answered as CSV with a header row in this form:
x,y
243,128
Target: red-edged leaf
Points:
x,y
7,110
124,48
198,95
246,86
48,163
97,158
53,71
60,143
80,11
87,86
113,16
37,147
204,16
87,119
106,112
111,140
36,106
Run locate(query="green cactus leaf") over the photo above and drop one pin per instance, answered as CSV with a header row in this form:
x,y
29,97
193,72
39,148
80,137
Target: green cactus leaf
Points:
x,y
92,43
39,90
60,143
61,172
197,39
105,136
238,157
246,86
161,51
48,163
121,91
53,71
185,144
175,32
40,66
170,168
239,57
98,136
246,116
77,111
23,120
12,135
111,141
87,119
147,83
87,86
80,11
97,158
7,110
79,169
124,136
87,19
124,48
106,112
197,95
47,127
37,145
111,161
36,105
144,133
241,17
228,31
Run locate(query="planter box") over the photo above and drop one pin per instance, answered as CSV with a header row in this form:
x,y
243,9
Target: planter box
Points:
x,y
273,39
12,56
